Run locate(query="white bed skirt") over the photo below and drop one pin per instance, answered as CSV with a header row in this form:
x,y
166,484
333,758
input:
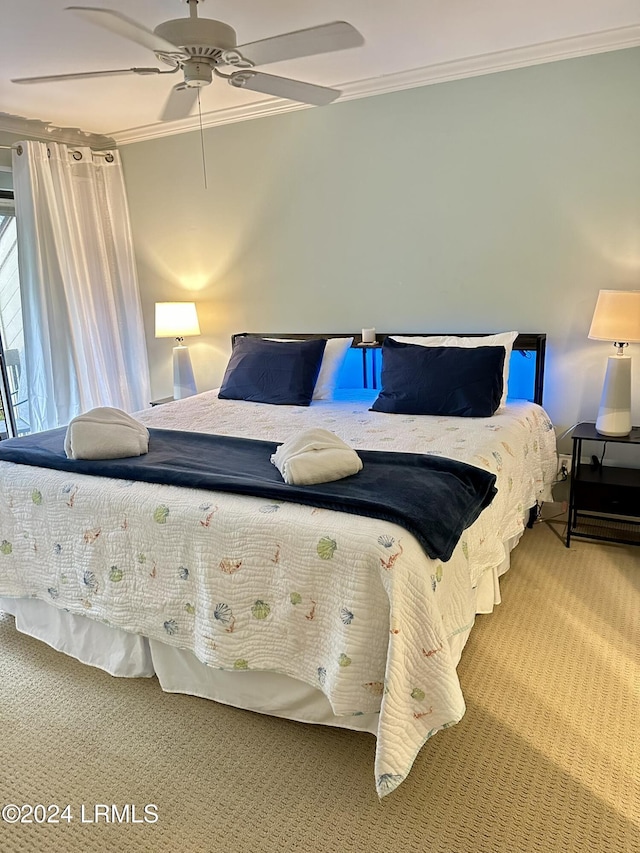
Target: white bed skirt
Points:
x,y
178,670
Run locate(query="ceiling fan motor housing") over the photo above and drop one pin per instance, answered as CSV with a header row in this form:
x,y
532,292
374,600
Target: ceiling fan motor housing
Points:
x,y
198,37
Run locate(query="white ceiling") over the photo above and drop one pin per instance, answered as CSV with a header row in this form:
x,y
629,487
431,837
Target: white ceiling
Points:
x,y
407,43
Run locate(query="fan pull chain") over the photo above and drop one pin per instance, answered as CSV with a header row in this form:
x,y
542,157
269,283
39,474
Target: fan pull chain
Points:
x,y
204,159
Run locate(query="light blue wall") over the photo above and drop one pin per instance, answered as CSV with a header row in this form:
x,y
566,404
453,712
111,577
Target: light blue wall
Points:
x,y
498,202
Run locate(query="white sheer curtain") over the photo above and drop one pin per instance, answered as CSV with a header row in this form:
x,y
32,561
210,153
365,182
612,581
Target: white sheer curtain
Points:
x,y
84,341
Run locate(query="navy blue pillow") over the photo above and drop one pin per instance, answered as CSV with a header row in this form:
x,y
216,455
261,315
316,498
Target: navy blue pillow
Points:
x,y
457,381
277,372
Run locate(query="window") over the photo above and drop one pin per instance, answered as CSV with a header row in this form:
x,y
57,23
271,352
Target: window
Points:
x,y
14,416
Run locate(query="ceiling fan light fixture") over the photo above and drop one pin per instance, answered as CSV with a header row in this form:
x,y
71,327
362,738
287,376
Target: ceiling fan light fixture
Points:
x,y
197,74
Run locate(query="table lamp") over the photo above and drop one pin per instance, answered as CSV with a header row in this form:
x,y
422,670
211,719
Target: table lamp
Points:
x,y
616,318
179,320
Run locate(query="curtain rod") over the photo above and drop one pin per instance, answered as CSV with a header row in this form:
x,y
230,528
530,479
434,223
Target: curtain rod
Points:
x,y
108,155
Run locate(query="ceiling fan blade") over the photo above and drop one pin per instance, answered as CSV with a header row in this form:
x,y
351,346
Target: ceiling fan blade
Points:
x,y
123,26
284,87
338,35
180,102
52,78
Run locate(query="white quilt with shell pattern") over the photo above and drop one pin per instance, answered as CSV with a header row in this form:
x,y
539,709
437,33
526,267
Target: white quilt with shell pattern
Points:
x,y
347,604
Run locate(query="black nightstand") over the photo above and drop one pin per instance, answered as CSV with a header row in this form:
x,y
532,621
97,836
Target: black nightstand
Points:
x,y
161,401
604,502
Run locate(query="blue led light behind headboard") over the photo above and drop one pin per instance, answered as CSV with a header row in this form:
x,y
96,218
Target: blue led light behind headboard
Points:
x,y
522,371
522,375
351,375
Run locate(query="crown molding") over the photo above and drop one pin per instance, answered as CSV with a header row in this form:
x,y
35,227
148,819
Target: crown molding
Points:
x,y
489,63
504,60
44,131
269,107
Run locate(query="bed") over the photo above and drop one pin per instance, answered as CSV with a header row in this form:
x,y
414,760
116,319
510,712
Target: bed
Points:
x,y
282,608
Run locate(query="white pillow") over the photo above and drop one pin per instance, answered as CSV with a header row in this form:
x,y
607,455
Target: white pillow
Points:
x,y
502,339
335,352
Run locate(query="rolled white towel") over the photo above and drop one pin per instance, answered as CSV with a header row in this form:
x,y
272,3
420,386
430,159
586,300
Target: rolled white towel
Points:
x,y
315,456
105,433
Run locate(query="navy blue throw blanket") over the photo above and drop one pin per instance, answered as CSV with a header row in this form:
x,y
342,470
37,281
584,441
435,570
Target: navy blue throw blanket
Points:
x,y
433,498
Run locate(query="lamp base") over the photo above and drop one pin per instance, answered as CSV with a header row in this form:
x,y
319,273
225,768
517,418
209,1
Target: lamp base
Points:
x,y
184,384
614,416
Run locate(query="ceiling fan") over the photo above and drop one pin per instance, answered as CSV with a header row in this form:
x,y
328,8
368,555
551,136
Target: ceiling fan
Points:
x,y
200,47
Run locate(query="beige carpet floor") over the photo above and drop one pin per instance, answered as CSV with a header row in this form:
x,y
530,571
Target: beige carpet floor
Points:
x,y
547,757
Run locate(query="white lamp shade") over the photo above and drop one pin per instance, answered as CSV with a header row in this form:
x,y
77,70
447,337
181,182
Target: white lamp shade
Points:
x,y
176,320
617,316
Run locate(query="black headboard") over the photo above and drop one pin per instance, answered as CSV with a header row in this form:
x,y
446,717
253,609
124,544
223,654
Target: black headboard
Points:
x,y
525,343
